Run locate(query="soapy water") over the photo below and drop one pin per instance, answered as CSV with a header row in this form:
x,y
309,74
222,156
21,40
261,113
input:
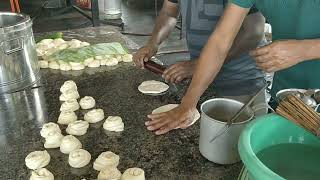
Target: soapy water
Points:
x,y
292,161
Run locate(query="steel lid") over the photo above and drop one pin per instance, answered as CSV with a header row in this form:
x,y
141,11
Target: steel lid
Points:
x,y
11,22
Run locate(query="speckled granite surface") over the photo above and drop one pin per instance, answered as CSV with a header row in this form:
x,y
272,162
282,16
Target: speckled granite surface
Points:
x,y
171,156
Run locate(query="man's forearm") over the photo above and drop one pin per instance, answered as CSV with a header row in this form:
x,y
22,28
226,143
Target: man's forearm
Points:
x,y
312,49
165,22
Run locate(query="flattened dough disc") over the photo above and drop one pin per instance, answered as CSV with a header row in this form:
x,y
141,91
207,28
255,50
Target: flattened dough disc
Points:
x,y
169,107
153,87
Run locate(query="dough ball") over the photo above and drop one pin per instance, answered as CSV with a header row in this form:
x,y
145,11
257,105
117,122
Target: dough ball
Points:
x,y
69,143
69,95
68,85
63,46
83,44
106,160
153,87
70,105
103,62
41,174
94,64
40,52
112,62
37,159
169,107
51,51
94,116
133,174
79,158
109,174
43,64
87,61
58,42
67,117
65,67
119,58
87,102
74,43
113,123
46,41
127,58
53,140
78,128
54,65
98,57
48,128
76,66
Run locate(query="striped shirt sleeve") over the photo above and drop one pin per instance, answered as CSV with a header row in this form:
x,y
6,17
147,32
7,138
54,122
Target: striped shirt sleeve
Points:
x,y
243,3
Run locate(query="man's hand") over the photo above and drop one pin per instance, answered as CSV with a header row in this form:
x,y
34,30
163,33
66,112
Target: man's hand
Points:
x,y
179,71
144,54
279,55
164,122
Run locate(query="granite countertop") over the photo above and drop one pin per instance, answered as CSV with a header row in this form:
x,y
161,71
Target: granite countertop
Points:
x,y
171,156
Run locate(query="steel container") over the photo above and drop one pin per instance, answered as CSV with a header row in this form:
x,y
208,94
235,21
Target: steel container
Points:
x,y
18,58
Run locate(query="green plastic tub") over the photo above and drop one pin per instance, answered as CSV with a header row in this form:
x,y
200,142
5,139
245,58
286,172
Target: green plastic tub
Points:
x,y
273,148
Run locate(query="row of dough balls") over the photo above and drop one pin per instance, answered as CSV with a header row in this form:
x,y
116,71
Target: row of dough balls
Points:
x,y
106,164
107,60
47,47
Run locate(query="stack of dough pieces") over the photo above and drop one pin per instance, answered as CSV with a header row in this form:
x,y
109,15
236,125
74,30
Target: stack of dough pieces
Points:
x,y
37,159
70,105
41,174
94,115
109,174
69,143
69,91
87,102
133,174
79,158
113,123
53,140
67,117
78,128
106,160
49,128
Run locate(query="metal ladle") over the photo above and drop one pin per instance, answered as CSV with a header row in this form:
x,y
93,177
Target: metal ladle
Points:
x,y
235,117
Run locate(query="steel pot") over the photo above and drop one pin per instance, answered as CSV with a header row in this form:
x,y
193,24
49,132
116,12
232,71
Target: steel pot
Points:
x,y
18,58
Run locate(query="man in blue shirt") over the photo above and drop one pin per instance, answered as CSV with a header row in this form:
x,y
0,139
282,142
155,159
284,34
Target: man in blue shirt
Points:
x,y
239,77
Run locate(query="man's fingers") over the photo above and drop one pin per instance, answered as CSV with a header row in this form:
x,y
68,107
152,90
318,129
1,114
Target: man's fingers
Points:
x,y
266,66
260,51
169,73
263,58
161,123
156,116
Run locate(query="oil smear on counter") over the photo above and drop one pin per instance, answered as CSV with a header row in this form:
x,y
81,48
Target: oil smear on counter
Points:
x,y
292,161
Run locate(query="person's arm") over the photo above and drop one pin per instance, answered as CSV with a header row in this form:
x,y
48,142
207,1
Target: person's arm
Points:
x,y
209,64
283,54
164,24
249,36
214,53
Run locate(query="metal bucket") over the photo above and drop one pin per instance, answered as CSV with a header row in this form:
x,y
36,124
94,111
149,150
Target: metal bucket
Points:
x,y
18,58
215,114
